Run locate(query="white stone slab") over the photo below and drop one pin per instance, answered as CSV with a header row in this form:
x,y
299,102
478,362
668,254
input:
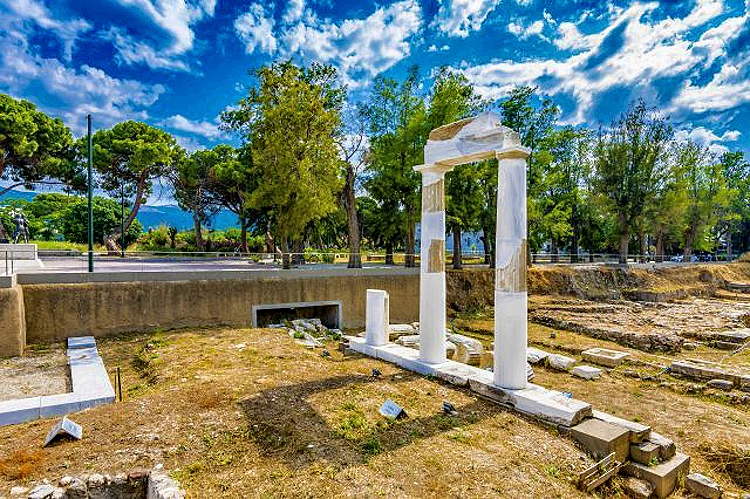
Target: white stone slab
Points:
x,y
81,342
604,356
638,431
560,362
19,410
587,372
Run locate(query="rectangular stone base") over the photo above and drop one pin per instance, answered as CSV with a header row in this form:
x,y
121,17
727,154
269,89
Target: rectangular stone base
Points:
x,y
547,405
663,477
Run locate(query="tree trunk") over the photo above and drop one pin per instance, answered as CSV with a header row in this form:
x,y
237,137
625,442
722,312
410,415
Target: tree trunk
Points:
x,y
285,263
624,238
355,259
643,238
298,257
111,242
243,234
689,240
729,245
457,254
489,246
659,257
574,242
409,260
554,251
389,253
198,232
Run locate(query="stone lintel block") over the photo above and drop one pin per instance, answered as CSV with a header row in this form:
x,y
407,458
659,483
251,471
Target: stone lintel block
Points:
x,y
645,453
663,477
638,432
702,486
600,439
720,384
587,372
547,405
667,448
604,357
459,374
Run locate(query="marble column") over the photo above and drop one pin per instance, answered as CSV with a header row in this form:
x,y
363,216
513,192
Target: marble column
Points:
x,y
432,316
511,300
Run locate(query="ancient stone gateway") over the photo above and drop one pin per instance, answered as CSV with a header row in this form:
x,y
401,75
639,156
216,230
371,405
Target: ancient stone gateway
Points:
x,y
462,142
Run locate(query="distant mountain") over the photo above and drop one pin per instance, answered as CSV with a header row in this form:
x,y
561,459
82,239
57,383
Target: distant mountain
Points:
x,y
154,216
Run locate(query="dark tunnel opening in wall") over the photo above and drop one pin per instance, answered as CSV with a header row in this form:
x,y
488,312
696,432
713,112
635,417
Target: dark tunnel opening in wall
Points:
x,y
329,313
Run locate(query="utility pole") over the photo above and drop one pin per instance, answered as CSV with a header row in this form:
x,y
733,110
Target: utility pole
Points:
x,y
91,197
122,219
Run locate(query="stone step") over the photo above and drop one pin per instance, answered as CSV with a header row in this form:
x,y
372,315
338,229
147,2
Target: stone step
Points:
x,y
667,448
604,356
664,476
638,431
600,439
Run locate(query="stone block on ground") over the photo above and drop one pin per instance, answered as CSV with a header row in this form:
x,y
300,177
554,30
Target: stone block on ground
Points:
x,y
600,439
398,330
720,384
535,356
667,448
560,362
702,486
81,342
487,360
645,453
737,336
637,488
663,477
604,357
587,372
638,431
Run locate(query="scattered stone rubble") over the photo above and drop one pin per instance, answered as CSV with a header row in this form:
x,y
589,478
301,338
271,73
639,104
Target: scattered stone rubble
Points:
x,y
138,484
309,332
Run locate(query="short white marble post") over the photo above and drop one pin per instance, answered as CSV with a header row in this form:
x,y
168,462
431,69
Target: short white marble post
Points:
x,y
511,300
432,316
377,318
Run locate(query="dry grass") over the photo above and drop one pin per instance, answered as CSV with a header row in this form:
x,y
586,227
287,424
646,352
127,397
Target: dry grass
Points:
x,y
249,413
21,464
727,457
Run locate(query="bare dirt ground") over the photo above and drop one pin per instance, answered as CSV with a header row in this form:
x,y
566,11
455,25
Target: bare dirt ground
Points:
x,y
43,372
250,413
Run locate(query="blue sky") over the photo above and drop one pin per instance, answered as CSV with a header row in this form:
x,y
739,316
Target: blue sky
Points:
x,y
178,63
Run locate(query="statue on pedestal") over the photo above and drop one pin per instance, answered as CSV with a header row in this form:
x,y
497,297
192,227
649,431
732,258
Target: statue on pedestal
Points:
x,y
22,226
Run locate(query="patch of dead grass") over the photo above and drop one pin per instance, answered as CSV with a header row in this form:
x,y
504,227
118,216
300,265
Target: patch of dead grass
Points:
x,y
21,464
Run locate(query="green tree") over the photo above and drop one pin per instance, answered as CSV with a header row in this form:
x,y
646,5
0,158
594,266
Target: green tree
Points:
x,y
106,211
128,157
629,162
398,133
292,118
736,172
191,179
453,98
706,193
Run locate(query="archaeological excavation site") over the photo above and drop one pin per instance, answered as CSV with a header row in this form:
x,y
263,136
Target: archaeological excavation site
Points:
x,y
522,380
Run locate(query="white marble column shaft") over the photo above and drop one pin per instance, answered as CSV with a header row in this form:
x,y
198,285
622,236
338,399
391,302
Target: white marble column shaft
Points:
x,y
511,300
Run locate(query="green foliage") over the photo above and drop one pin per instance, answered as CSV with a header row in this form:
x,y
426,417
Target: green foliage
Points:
x,y
128,157
34,147
107,220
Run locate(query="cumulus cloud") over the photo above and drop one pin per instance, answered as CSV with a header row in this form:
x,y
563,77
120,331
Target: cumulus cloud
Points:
x,y
461,17
707,138
633,51
174,17
524,32
199,127
255,29
360,48
34,11
435,48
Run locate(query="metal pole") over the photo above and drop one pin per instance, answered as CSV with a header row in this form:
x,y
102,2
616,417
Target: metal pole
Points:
x,y
91,196
122,219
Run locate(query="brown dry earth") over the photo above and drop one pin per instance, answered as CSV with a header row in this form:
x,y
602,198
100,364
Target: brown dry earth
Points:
x,y
250,413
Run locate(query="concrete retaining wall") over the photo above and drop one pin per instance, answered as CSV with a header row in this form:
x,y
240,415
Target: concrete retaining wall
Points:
x,y
57,310
12,321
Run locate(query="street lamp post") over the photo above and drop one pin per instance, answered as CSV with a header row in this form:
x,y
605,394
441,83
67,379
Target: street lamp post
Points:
x,y
90,196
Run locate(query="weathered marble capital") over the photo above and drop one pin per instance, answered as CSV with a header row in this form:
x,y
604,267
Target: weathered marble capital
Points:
x,y
516,152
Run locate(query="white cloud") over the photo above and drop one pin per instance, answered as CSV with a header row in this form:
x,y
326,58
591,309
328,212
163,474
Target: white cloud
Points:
x,y
294,11
707,138
176,18
460,17
68,30
255,29
204,128
650,50
360,48
523,32
132,51
435,48
70,93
